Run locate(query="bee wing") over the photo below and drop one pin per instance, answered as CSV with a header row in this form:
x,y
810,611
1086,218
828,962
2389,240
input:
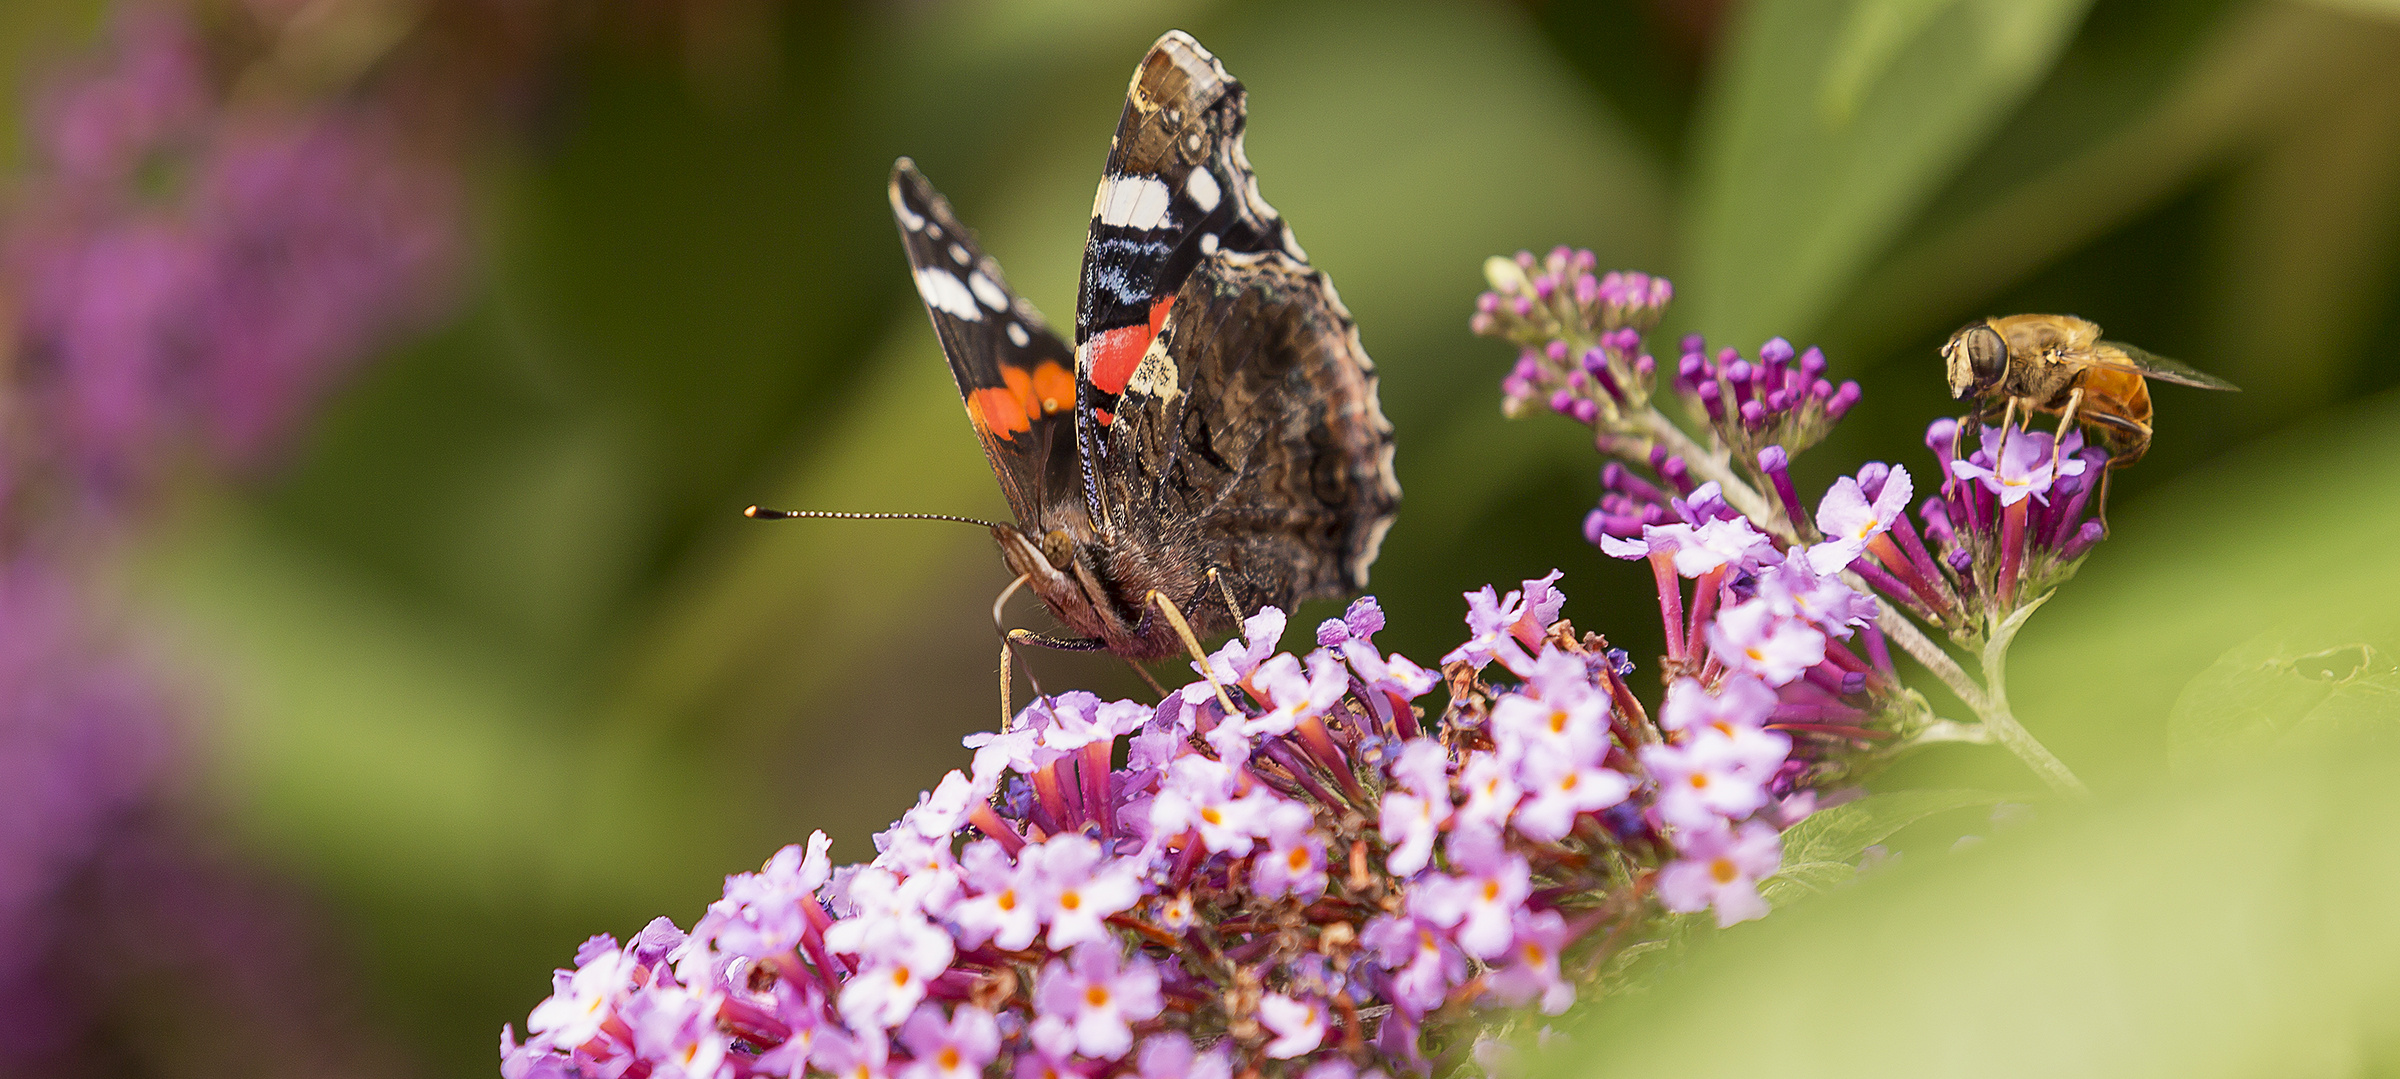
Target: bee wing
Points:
x,y
2120,354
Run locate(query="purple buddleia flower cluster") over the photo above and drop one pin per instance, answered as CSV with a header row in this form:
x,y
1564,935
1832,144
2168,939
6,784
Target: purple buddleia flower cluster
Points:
x,y
1772,614
188,272
1779,620
1579,336
82,744
1323,880
1579,332
2012,518
1775,401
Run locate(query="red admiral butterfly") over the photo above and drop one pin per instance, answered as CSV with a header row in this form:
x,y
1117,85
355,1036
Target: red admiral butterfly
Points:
x,y
1214,435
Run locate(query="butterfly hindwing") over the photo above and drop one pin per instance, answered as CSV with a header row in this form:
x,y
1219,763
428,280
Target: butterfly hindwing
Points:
x,y
1015,375
1270,459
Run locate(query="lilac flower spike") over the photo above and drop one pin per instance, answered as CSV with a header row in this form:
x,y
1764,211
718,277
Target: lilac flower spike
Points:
x,y
186,272
1720,867
1850,520
1705,494
1246,880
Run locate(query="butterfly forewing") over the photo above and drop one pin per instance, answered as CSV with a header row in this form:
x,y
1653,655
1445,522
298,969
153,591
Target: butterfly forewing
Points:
x,y
1226,412
1176,190
1219,443
1015,376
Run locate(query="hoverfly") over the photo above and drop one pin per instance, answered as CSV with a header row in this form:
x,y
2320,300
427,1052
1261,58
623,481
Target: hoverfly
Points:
x,y
2058,364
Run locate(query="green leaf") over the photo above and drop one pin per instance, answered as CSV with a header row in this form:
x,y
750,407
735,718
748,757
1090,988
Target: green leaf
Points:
x,y
2237,928
2126,123
2197,567
1871,40
1834,124
1823,851
2284,685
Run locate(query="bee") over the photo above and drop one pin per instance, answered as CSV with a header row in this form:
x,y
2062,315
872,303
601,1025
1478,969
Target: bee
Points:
x,y
2058,364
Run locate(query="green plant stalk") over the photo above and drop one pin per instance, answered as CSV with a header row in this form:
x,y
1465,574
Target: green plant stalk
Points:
x,y
1993,708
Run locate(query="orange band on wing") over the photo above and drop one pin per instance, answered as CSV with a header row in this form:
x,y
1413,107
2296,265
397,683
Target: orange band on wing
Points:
x,y
999,411
1053,387
1020,385
1115,354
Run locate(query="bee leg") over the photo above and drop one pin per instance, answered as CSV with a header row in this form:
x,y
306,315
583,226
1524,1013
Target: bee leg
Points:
x,y
1184,629
2066,423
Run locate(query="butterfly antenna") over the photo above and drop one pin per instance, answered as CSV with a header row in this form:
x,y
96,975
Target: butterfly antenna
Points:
x,y
764,514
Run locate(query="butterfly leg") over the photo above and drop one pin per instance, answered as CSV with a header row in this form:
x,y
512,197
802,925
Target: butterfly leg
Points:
x,y
1008,648
1148,678
1225,592
1184,629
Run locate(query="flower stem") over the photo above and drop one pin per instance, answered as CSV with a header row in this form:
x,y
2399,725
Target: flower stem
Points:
x,y
1715,466
1949,730
1993,709
1990,699
1900,631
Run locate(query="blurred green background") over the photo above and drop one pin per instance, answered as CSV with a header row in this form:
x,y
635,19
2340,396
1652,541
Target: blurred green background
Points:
x,y
497,663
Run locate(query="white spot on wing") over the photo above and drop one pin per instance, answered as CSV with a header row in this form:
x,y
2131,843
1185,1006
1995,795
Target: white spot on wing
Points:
x,y
945,293
958,254
1202,188
1155,375
909,219
1208,243
993,296
1137,202
1017,335
933,230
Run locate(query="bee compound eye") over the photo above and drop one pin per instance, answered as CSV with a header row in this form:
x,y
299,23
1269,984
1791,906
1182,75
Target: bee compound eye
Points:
x,y
1977,357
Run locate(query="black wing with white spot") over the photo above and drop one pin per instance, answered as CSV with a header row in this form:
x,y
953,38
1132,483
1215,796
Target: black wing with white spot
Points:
x,y
1016,376
1176,190
1226,412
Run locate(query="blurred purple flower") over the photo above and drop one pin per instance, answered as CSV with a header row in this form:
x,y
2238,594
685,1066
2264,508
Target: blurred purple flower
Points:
x,y
185,269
